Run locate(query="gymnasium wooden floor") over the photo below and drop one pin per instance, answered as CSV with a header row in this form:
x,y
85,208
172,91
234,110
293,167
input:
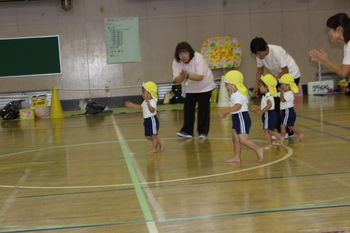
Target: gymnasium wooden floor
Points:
x,y
93,174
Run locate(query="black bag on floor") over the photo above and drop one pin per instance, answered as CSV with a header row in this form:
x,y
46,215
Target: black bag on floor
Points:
x,y
94,108
11,110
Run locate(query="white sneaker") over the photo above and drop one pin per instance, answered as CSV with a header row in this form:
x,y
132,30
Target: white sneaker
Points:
x,y
202,136
286,135
184,135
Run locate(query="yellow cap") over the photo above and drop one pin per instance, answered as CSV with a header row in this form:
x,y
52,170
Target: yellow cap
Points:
x,y
152,88
271,83
236,77
288,79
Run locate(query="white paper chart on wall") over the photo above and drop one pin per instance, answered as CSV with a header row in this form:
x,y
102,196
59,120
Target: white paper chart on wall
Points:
x,y
122,40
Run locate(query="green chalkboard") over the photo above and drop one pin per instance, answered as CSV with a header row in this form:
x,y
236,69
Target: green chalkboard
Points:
x,y
30,56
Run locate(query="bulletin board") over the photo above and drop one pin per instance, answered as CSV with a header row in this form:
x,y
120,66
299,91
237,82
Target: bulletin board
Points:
x,y
122,40
30,56
222,52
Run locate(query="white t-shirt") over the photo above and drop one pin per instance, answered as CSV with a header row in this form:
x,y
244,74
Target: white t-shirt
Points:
x,y
238,98
146,112
346,59
197,65
277,59
265,98
289,96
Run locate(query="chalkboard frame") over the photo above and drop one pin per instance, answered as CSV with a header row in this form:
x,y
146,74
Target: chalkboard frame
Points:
x,y
30,56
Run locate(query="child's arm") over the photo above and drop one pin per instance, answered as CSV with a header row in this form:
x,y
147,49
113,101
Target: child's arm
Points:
x,y
224,112
255,107
132,105
151,109
267,108
282,96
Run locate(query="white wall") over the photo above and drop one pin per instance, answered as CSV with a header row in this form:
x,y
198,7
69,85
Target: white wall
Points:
x,y
296,25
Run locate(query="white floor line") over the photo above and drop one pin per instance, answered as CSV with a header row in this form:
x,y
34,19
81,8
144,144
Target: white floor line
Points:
x,y
12,198
160,214
289,153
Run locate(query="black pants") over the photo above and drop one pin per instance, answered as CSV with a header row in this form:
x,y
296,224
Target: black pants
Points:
x,y
278,109
203,114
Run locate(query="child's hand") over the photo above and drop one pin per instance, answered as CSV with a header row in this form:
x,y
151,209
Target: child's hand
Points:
x,y
254,107
128,104
223,113
259,113
226,116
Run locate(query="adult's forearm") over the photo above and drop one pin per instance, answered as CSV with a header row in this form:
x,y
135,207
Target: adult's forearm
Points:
x,y
285,70
195,77
258,74
178,79
343,70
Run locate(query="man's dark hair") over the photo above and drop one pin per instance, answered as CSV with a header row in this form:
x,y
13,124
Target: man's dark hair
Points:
x,y
258,44
183,47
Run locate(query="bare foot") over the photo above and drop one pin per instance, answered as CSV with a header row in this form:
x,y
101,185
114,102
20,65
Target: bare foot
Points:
x,y
234,160
152,152
281,140
161,144
268,147
300,136
260,153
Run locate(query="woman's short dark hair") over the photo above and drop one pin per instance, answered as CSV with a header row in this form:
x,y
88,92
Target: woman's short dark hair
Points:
x,y
340,19
258,44
183,47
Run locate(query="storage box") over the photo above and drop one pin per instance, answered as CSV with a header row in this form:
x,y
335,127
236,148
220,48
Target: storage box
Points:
x,y
320,87
25,114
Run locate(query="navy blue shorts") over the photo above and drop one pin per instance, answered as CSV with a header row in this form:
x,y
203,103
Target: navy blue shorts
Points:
x,y
288,117
269,120
241,122
151,125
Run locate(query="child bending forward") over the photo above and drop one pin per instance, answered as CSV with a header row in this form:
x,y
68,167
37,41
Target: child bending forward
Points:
x,y
241,121
149,108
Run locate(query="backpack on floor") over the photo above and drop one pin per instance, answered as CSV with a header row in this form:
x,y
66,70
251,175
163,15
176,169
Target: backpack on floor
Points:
x,y
11,110
94,108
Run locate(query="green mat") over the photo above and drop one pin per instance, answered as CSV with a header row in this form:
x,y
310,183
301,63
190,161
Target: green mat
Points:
x,y
122,110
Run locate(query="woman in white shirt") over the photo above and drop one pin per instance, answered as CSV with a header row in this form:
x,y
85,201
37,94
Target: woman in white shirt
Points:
x,y
190,69
339,31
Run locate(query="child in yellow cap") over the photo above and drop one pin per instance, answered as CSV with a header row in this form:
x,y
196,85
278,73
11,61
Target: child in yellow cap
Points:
x,y
267,87
241,121
149,108
288,115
